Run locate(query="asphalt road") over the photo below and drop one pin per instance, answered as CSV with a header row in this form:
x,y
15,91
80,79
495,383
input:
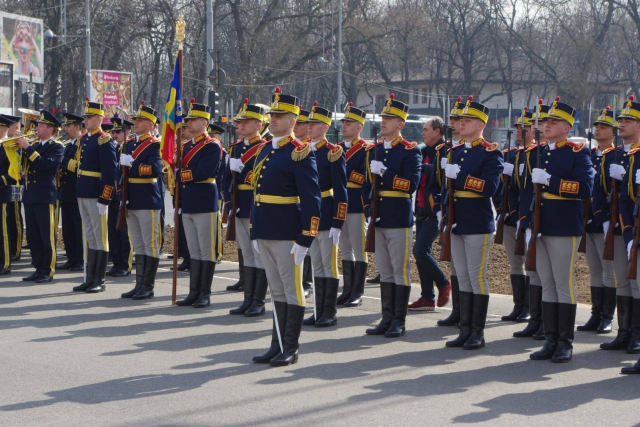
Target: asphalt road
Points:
x,y
77,359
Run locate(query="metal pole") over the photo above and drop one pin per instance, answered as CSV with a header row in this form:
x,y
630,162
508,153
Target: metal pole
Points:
x,y
339,97
209,44
87,49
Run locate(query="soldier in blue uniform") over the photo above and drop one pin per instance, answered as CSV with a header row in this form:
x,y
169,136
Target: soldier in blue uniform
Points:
x,y
201,159
95,189
141,155
14,208
41,162
627,293
71,220
601,272
332,179
119,244
285,219
301,132
243,155
396,161
475,167
215,131
352,238
183,249
565,176
9,176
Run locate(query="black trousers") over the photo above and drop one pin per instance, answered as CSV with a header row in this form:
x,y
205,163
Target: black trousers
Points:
x,y
40,219
72,231
14,227
120,246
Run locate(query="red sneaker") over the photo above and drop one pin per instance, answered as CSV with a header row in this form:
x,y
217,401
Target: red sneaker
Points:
x,y
422,305
444,294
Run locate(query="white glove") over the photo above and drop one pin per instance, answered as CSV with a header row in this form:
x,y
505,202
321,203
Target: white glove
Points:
x,y
179,211
255,246
605,228
527,236
517,225
444,230
452,171
520,168
638,176
377,167
102,209
236,165
439,216
629,249
616,172
539,176
443,162
377,219
369,220
300,252
126,160
508,169
335,234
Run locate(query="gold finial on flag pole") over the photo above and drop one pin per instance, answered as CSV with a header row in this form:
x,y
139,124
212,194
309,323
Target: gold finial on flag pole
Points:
x,y
180,31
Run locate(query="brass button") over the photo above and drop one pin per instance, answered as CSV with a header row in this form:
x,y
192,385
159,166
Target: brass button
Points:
x,y
258,204
260,176
386,151
264,167
258,185
465,151
384,160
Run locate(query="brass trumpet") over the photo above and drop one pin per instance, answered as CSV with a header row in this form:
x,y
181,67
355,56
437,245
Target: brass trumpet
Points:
x,y
11,142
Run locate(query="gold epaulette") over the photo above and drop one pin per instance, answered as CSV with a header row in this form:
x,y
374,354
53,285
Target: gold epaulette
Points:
x,y
439,146
104,138
409,145
606,150
490,146
371,145
577,146
335,152
301,151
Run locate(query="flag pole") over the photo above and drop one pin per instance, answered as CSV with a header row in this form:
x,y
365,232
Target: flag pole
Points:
x,y
180,33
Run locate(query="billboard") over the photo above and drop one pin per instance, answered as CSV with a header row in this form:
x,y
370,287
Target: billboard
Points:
x,y
6,88
112,89
22,44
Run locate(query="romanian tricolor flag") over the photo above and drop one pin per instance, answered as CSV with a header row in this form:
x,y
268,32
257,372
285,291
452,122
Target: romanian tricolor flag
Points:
x,y
171,122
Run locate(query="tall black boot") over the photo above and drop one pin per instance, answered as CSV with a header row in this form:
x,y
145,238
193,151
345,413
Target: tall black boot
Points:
x,y
291,337
518,287
525,314
400,304
259,294
535,309
194,283
478,321
597,298
566,326
140,261
91,269
249,287
634,341
357,291
319,299
550,320
328,317
206,280
608,310
239,285
99,273
375,279
348,275
466,313
279,321
631,370
454,318
621,341
386,297
149,279
307,275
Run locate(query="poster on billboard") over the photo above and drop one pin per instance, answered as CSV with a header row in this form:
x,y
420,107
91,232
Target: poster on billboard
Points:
x,y
6,88
22,45
112,89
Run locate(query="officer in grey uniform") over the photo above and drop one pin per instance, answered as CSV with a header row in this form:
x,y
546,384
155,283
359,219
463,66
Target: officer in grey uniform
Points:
x,y
285,219
565,176
397,162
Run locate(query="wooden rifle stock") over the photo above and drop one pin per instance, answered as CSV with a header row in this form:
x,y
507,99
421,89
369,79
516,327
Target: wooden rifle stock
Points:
x,y
122,210
530,263
608,243
504,206
633,255
582,248
235,204
445,253
370,244
520,241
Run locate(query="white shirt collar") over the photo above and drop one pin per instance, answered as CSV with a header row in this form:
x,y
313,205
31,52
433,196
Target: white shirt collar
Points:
x,y
347,143
313,145
246,141
552,146
387,144
275,140
627,148
455,141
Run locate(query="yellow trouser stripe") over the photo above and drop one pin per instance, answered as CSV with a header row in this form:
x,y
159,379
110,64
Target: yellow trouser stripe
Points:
x,y
334,260
52,239
19,228
219,237
130,251
153,233
5,237
213,237
405,262
482,264
297,274
363,233
104,232
571,267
